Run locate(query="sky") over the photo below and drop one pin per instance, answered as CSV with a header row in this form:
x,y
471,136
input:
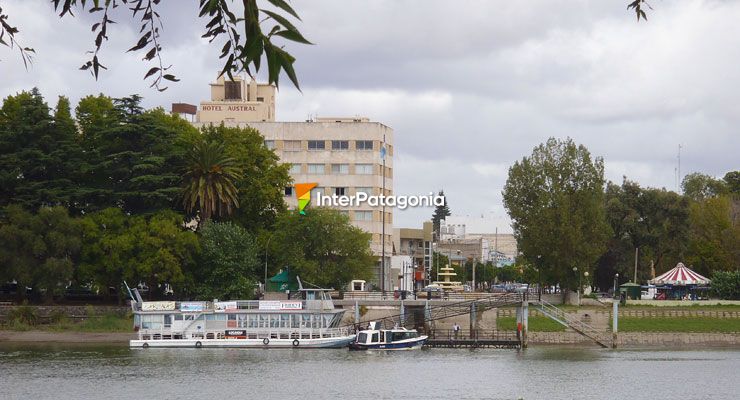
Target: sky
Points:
x,y
469,87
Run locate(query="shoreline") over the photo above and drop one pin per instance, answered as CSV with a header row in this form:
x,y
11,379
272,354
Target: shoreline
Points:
x,y
662,340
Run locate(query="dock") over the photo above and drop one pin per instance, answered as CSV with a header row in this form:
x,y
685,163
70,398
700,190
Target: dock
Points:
x,y
478,339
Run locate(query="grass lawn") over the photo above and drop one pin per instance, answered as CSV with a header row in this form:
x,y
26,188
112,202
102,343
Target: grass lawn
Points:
x,y
679,324
102,323
536,324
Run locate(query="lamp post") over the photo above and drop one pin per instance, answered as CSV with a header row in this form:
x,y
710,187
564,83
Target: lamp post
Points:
x,y
586,275
578,292
616,278
267,245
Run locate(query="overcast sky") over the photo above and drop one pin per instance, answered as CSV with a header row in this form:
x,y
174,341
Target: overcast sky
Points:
x,y
469,87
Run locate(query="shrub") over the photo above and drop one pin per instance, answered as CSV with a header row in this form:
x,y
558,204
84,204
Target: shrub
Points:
x,y
23,314
726,284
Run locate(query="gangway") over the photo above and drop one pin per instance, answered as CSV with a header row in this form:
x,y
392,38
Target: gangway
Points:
x,y
568,321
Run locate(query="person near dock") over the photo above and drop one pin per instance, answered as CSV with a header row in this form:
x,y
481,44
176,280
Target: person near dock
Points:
x,y
456,330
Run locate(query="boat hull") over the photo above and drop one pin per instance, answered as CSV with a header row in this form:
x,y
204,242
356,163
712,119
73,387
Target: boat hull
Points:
x,y
318,343
405,345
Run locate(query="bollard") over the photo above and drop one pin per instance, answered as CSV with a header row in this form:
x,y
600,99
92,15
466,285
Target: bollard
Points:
x,y
615,322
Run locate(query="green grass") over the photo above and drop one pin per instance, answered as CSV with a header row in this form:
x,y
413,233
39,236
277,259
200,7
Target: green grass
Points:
x,y
102,323
536,324
678,324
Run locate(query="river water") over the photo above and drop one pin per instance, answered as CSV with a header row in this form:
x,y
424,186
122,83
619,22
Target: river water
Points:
x,y
116,372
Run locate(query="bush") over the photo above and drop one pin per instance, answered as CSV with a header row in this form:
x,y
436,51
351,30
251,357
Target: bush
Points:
x,y
726,285
23,314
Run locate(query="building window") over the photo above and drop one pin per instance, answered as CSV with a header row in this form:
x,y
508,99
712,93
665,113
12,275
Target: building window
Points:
x,y
260,99
363,215
340,191
340,169
364,145
270,144
363,169
316,145
289,190
295,169
316,169
292,145
367,190
232,90
340,145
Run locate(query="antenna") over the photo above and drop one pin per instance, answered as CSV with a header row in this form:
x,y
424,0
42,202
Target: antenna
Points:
x,y
678,177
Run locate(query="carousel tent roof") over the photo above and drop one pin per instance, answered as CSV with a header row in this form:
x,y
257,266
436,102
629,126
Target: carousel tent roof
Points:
x,y
680,276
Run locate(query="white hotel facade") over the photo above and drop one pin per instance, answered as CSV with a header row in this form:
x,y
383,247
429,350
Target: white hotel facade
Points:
x,y
341,154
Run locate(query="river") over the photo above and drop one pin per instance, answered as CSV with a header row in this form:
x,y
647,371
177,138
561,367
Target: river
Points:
x,y
116,372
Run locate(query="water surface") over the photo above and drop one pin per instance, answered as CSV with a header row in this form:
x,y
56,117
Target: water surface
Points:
x,y
116,372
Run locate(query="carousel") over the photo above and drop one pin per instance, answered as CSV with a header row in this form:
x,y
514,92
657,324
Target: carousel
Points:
x,y
681,283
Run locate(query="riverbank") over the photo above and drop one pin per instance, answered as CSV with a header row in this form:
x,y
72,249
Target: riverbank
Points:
x,y
38,336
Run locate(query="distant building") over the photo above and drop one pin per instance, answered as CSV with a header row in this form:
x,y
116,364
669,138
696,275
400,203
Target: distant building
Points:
x,y
416,244
494,233
343,155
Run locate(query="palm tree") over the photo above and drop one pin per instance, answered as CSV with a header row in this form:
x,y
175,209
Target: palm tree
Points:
x,y
209,181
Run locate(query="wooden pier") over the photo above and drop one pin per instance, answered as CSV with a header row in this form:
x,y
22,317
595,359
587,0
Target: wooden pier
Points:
x,y
478,338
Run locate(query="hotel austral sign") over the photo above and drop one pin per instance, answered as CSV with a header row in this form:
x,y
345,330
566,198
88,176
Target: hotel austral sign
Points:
x,y
211,107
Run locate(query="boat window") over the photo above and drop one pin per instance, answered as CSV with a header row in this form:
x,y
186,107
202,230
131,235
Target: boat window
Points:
x,y
220,317
151,322
264,321
252,321
362,337
375,338
232,317
305,320
285,320
189,317
178,317
327,320
274,321
296,321
167,320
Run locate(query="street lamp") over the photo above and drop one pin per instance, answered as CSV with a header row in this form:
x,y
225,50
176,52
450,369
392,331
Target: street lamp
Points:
x,y
616,278
267,245
575,271
586,275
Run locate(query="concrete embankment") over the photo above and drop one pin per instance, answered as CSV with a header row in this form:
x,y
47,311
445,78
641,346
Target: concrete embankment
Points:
x,y
66,337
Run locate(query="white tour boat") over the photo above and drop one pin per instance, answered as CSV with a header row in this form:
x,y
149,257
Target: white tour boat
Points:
x,y
308,322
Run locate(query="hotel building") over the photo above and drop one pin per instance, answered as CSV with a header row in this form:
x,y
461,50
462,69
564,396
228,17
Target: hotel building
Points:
x,y
343,155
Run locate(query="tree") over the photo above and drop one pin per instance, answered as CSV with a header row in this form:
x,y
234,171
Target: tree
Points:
x,y
261,187
230,267
322,247
555,200
655,221
440,213
237,54
39,250
714,243
726,284
210,181
153,250
732,180
39,153
698,187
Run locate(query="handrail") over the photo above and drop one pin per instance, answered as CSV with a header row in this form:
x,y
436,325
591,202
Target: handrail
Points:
x,y
579,326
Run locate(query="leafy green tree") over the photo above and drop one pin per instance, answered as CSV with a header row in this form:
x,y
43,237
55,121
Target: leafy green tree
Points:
x,y
209,181
261,186
698,186
726,284
714,243
555,200
322,247
154,250
655,221
230,267
39,250
732,180
440,213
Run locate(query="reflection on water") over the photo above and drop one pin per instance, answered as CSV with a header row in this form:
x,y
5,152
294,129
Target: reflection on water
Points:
x,y
116,372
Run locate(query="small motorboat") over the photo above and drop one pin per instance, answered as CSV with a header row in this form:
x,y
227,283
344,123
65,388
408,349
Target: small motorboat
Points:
x,y
388,339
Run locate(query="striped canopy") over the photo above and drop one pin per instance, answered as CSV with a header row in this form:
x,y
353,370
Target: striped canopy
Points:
x,y
680,276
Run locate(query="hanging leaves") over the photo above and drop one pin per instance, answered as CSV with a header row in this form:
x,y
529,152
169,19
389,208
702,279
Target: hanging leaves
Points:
x,y
637,6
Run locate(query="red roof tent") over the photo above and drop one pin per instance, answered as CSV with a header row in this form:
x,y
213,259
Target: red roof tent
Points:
x,y
680,276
